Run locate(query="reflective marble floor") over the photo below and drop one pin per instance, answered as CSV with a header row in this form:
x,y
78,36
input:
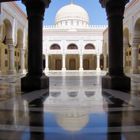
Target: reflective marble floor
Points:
x,y
74,108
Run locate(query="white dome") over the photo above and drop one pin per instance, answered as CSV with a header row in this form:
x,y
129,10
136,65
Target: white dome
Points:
x,y
72,15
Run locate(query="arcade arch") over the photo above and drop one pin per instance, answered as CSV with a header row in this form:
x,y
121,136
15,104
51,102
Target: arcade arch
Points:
x,y
55,47
72,47
135,48
6,41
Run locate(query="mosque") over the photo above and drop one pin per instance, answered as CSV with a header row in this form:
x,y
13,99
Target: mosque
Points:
x,y
70,44
73,101
73,44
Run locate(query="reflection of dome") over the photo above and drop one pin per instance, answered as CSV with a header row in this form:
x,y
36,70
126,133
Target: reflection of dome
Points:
x,y
72,15
72,121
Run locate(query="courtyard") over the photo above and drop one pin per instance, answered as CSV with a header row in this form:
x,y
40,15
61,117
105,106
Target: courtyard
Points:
x,y
75,107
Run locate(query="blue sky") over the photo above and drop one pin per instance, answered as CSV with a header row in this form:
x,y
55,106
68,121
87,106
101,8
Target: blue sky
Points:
x,y
96,13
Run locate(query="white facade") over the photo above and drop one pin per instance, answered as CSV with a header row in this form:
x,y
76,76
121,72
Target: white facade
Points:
x,y
13,37
72,44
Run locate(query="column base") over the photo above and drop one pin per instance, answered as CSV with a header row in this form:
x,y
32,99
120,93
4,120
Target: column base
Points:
x,y
122,83
46,70
12,72
134,71
98,69
22,71
31,83
81,69
63,69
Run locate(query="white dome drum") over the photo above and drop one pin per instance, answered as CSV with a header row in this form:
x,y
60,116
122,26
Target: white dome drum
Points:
x,y
72,15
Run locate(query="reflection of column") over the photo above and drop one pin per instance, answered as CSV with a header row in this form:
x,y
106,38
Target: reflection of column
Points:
x,y
81,62
114,123
37,122
134,59
11,59
22,60
98,63
46,63
64,62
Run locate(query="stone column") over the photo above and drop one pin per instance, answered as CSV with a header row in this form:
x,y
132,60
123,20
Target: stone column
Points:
x,y
105,62
11,47
134,66
64,62
98,63
115,79
35,78
81,62
22,61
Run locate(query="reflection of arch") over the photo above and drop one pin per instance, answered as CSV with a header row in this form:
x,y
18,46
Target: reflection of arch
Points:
x,y
55,94
89,93
73,93
89,46
72,46
55,47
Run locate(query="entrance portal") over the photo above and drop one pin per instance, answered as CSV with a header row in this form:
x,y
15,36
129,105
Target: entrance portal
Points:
x,y
58,64
86,64
72,64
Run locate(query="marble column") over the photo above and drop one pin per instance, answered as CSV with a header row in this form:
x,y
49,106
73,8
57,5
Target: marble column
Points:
x,y
64,62
11,47
105,62
81,62
98,63
115,78
22,61
35,78
134,67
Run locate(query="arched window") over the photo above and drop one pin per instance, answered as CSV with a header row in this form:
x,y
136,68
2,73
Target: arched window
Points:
x,y
55,47
89,46
72,47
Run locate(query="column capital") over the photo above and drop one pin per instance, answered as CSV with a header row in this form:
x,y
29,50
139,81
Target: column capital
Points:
x,y
22,49
9,41
36,7
114,7
104,3
36,2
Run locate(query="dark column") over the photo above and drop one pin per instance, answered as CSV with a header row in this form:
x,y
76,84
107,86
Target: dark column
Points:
x,y
35,78
115,79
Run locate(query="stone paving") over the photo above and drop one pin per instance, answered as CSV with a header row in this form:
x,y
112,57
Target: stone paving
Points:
x,y
75,107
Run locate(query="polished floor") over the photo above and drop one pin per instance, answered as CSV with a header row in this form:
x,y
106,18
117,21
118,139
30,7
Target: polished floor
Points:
x,y
74,108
